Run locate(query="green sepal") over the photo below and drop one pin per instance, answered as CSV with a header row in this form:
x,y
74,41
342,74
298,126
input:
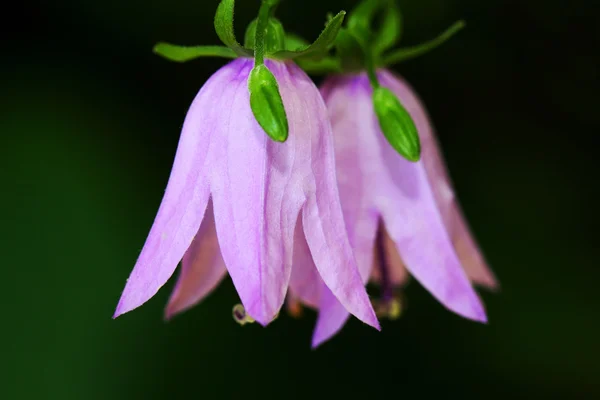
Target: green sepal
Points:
x,y
396,124
321,46
391,29
224,28
407,53
178,53
266,103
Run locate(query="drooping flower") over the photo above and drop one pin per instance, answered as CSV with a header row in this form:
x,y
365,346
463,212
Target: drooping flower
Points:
x,y
241,203
401,214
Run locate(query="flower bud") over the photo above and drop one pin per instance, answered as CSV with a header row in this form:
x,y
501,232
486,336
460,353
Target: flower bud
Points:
x,y
396,124
266,103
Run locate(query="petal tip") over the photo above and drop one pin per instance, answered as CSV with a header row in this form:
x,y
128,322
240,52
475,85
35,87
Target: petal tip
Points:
x,y
319,338
475,313
377,326
314,343
175,306
371,320
492,285
262,323
262,317
170,312
121,309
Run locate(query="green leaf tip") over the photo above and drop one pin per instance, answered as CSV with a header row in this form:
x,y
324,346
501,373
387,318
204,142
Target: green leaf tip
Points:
x,y
266,103
224,28
396,124
318,49
178,53
407,53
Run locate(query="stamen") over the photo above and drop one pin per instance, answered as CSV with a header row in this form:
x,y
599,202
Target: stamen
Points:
x,y
395,309
390,309
240,316
390,304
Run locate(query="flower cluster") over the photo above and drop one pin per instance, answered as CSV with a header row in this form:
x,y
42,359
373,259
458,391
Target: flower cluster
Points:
x,y
304,195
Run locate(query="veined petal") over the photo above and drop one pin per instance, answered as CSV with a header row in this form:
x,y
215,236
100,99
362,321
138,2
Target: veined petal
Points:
x,y
354,172
255,199
322,216
331,319
183,205
415,225
470,255
305,282
361,228
202,268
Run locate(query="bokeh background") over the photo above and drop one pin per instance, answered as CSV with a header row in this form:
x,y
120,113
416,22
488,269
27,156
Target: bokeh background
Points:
x,y
90,121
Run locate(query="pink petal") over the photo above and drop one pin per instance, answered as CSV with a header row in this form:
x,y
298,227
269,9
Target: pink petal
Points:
x,y
332,317
471,257
414,223
305,282
439,179
202,268
256,200
416,227
322,216
354,172
185,199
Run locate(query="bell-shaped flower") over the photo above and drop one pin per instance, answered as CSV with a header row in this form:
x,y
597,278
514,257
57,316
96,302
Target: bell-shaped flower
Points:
x,y
241,203
401,216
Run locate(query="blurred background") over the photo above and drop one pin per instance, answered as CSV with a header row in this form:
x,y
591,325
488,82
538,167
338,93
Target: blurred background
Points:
x,y
90,121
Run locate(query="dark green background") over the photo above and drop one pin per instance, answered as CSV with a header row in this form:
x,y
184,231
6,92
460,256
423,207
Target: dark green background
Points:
x,y
90,120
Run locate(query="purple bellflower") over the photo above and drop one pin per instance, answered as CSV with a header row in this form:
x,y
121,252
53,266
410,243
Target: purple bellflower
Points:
x,y
238,202
401,216
400,210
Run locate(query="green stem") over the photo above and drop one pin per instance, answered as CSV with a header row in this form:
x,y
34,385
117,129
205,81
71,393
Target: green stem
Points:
x,y
369,60
264,13
407,53
371,71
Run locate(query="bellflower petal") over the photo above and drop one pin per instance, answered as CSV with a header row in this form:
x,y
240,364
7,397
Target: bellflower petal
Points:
x,y
470,256
202,268
332,317
361,222
425,246
305,282
256,205
185,199
325,230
